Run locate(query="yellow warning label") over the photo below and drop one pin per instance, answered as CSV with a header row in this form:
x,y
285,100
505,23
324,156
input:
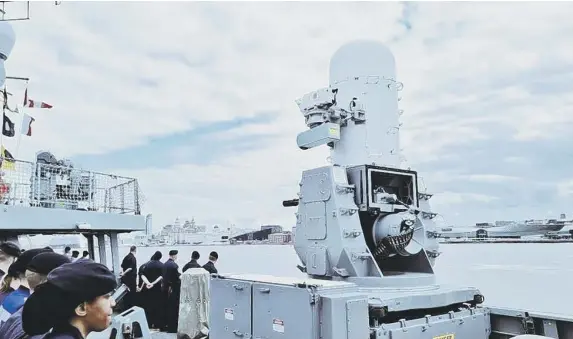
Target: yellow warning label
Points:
x,y
445,336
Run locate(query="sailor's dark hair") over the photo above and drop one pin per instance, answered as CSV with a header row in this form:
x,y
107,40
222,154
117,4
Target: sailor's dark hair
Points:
x,y
157,255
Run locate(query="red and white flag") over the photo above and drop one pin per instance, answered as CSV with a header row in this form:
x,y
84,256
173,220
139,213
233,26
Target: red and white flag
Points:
x,y
34,103
27,125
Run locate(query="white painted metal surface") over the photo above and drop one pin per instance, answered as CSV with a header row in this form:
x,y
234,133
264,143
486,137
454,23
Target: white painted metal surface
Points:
x,y
368,69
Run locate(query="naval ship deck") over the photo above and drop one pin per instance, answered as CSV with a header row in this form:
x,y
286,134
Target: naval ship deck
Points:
x,y
54,197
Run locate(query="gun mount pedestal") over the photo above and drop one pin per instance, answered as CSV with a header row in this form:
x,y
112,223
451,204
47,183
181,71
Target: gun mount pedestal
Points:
x,y
364,231
364,234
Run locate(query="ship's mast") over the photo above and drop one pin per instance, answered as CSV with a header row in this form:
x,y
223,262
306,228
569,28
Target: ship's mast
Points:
x,y
96,205
12,11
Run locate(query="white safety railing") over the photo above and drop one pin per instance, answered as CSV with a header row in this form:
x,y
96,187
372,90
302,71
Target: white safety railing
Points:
x,y
53,186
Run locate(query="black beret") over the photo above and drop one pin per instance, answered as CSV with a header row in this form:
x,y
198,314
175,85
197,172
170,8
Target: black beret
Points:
x,y
44,263
214,255
85,278
10,248
173,252
21,264
13,270
195,255
67,286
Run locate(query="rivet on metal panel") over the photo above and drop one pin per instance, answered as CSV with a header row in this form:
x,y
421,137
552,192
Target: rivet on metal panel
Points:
x,y
427,317
352,233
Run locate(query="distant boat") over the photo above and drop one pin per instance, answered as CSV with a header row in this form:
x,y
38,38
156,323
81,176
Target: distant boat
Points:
x,y
507,229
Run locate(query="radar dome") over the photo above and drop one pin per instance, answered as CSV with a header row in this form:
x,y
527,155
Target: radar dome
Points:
x,y
361,58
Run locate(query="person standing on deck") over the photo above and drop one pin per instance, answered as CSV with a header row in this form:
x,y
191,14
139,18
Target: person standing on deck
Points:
x,y
36,274
129,276
9,252
13,301
85,255
82,292
139,296
172,290
151,294
210,265
193,263
68,251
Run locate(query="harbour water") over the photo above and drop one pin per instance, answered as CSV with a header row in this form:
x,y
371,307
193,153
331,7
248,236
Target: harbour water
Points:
x,y
526,276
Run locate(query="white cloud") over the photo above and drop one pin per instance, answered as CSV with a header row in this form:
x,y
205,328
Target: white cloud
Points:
x,y
472,72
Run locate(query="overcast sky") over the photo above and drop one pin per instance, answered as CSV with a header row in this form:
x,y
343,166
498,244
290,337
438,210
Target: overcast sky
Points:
x,y
196,100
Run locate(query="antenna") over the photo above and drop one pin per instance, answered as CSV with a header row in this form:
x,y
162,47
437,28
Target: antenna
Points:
x,y
7,41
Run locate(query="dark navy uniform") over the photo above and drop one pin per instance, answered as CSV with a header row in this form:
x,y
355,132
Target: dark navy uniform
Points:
x,y
12,328
210,265
139,299
130,279
172,290
154,299
193,263
53,302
